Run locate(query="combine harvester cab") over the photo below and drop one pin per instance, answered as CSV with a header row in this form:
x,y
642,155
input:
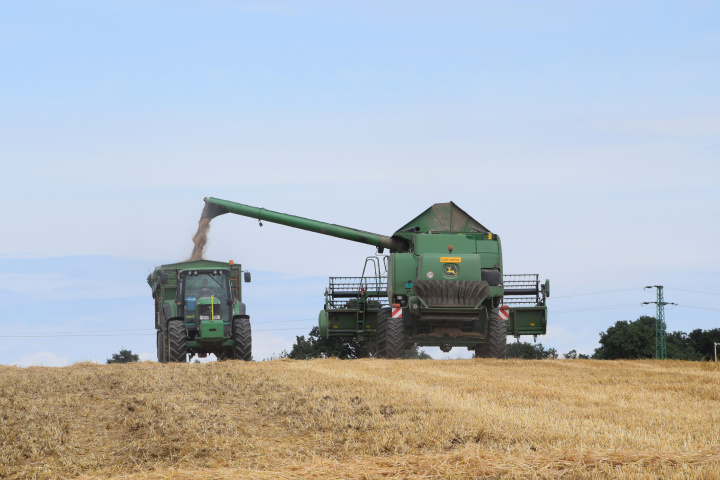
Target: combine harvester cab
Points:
x,y
441,285
199,310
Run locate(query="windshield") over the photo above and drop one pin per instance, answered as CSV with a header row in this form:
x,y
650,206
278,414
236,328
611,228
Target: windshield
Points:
x,y
205,285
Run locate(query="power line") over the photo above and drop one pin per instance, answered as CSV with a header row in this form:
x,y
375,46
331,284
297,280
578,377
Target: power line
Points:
x,y
276,329
75,334
592,309
51,335
693,291
79,331
695,306
285,321
596,293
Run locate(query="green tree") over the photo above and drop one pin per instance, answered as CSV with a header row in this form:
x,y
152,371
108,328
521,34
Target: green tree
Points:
x,y
125,356
636,339
315,346
414,352
679,346
703,341
527,351
572,355
628,339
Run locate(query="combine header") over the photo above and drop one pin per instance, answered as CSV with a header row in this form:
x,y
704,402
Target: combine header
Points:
x,y
441,285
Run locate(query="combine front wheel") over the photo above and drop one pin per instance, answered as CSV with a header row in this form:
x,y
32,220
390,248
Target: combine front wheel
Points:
x,y
177,342
381,336
243,338
497,336
395,338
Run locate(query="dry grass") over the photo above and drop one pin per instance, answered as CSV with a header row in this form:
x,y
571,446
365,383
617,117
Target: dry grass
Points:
x,y
363,419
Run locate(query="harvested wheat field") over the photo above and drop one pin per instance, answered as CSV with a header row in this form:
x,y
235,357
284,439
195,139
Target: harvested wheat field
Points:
x,y
362,419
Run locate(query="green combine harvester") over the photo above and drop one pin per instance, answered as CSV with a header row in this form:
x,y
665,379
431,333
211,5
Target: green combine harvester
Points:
x,y
199,310
441,285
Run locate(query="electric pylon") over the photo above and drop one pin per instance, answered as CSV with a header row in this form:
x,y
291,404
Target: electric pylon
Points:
x,y
660,345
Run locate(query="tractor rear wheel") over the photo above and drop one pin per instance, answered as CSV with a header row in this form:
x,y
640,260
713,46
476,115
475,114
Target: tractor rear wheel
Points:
x,y
381,335
242,335
161,347
395,338
177,342
497,336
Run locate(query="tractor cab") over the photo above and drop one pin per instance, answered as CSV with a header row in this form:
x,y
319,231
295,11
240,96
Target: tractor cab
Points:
x,y
208,300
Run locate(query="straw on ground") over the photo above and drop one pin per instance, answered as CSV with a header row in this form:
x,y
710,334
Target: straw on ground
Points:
x,y
362,419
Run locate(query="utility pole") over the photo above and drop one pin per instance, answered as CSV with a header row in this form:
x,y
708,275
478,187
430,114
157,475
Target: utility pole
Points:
x,y
660,345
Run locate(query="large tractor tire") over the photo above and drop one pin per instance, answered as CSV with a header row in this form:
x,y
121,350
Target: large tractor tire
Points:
x,y
242,335
482,350
395,338
177,342
226,353
497,336
161,347
381,335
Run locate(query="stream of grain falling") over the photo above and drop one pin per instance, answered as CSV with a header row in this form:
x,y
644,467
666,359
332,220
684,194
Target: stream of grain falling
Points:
x,y
200,239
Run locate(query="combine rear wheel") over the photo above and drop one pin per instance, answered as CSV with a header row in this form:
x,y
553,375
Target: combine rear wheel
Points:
x,y
497,336
395,338
381,336
177,342
243,338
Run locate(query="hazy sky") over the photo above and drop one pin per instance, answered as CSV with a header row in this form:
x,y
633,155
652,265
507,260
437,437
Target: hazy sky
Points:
x,y
585,134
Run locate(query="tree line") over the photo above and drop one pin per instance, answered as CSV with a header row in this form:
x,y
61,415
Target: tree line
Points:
x,y
624,340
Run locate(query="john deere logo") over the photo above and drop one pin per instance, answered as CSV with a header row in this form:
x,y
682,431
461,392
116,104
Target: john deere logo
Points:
x,y
451,270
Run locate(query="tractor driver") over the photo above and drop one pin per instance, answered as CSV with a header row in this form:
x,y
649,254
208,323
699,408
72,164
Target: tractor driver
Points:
x,y
206,290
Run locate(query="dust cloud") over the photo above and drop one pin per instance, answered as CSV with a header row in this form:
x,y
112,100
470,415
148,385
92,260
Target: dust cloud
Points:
x,y
200,239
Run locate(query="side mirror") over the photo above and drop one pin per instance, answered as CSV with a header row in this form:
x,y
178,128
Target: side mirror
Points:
x,y
164,278
248,279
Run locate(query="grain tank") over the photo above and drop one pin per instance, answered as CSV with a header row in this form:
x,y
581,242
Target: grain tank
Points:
x,y
199,310
442,284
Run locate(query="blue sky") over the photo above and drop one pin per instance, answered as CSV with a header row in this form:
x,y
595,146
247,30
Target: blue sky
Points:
x,y
587,135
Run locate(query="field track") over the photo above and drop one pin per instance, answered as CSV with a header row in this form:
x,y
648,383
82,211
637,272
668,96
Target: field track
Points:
x,y
362,419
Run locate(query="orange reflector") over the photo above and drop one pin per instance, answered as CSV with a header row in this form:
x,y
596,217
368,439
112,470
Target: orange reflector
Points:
x,y
396,305
232,262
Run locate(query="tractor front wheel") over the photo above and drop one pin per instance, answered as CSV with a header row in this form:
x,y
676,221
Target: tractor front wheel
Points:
x,y
177,342
242,335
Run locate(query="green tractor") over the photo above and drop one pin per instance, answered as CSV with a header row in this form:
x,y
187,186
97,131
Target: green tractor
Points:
x,y
199,310
441,285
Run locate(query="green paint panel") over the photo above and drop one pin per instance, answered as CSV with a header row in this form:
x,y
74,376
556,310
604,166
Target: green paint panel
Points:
x,y
527,321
